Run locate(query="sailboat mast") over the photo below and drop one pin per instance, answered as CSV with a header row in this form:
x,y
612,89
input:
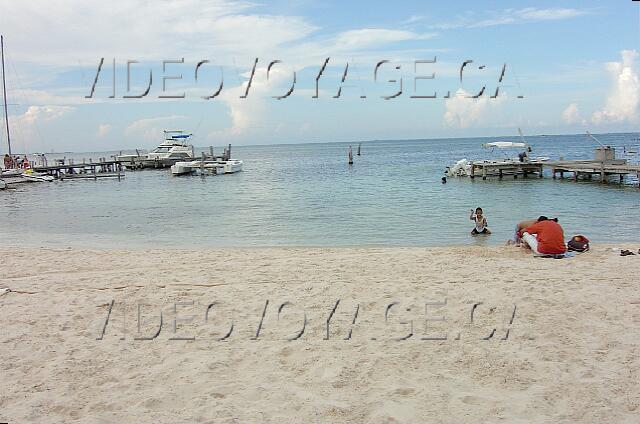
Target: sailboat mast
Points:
x,y
4,91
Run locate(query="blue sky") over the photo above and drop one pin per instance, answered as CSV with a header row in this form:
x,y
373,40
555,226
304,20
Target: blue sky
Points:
x,y
575,64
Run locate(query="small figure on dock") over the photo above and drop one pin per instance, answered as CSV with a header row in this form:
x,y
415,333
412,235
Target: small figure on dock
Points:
x,y
350,156
481,222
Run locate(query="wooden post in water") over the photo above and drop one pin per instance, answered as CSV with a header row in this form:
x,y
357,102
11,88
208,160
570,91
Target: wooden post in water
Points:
x,y
350,155
359,144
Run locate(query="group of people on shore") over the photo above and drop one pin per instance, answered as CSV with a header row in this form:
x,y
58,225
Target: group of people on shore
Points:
x,y
16,162
544,236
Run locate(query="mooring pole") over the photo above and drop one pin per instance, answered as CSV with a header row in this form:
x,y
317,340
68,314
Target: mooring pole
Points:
x,y
350,156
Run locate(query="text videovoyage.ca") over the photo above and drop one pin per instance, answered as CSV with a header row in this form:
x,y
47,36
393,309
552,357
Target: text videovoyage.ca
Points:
x,y
177,71
341,319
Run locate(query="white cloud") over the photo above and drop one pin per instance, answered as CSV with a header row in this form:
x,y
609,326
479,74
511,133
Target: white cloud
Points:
x,y
152,128
513,16
623,100
72,32
373,37
412,19
571,115
463,112
552,14
27,128
250,114
43,114
103,130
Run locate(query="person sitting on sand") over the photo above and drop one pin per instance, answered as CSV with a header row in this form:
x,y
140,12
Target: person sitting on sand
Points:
x,y
481,222
545,237
8,162
517,235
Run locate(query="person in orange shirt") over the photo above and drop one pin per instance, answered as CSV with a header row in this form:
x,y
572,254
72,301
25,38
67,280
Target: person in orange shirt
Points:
x,y
545,237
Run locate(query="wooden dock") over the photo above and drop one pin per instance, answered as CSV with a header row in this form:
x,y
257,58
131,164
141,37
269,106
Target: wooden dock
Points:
x,y
589,168
64,170
577,169
502,168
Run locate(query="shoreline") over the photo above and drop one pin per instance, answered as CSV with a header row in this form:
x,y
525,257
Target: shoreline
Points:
x,y
90,247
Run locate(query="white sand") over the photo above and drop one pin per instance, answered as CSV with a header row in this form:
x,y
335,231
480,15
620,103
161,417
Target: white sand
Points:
x,y
572,355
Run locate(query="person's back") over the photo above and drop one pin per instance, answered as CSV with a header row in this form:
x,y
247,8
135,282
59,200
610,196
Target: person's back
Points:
x,y
550,237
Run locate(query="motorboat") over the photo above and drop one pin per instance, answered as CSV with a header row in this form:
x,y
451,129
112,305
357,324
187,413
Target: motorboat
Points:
x,y
30,175
174,146
207,166
462,168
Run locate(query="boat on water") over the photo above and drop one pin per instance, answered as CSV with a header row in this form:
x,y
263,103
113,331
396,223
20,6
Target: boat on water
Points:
x,y
207,167
462,168
175,147
30,175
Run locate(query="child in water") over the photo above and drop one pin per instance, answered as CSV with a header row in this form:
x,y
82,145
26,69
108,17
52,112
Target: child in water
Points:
x,y
481,222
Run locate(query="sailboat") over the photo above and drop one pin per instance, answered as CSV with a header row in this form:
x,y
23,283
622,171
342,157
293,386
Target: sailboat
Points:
x,y
18,175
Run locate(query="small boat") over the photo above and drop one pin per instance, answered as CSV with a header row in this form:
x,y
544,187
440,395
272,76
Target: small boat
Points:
x,y
207,166
462,168
29,175
3,185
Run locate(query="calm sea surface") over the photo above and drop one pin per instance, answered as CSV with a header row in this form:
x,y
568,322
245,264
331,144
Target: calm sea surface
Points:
x,y
307,195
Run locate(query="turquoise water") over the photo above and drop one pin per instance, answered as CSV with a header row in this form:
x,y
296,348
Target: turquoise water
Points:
x,y
307,195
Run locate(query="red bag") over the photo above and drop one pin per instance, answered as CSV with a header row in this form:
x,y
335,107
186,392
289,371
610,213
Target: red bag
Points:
x,y
578,243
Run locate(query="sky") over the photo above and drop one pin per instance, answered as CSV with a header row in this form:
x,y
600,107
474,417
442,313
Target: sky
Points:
x,y
569,66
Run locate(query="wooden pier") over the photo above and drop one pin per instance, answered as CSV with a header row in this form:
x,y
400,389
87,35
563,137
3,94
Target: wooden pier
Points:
x,y
64,170
589,168
577,169
502,168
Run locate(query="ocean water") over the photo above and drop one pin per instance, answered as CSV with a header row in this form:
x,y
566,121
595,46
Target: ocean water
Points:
x,y
307,195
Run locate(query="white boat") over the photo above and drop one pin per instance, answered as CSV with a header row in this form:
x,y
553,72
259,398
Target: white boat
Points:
x,y
505,145
174,146
462,168
36,176
131,158
208,166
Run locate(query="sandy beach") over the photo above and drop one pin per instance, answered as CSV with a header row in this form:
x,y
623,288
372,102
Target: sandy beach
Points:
x,y
440,335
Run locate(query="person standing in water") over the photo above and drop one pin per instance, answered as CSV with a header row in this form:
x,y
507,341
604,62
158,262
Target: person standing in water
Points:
x,y
481,222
